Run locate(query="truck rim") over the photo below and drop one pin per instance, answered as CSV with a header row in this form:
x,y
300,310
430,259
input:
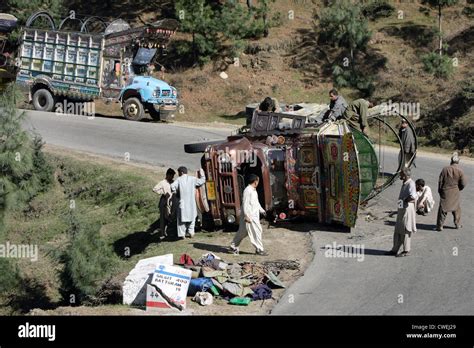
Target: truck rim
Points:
x,y
132,110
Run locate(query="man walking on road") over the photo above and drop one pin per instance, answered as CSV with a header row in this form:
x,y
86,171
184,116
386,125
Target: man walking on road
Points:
x,y
451,181
185,186
250,219
406,216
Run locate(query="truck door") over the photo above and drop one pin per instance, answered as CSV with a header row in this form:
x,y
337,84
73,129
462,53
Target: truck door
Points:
x,y
341,175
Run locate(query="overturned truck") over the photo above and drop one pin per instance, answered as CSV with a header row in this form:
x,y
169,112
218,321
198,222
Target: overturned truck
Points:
x,y
322,172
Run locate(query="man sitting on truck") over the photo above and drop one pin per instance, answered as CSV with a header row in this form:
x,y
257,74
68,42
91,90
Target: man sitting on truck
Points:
x,y
354,113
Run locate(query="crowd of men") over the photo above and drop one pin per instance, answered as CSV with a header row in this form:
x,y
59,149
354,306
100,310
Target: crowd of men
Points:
x,y
178,206
416,198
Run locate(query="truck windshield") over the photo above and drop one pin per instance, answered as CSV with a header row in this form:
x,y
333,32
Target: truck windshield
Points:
x,y
144,56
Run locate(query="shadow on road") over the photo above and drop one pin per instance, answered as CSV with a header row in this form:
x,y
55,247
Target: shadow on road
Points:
x,y
424,227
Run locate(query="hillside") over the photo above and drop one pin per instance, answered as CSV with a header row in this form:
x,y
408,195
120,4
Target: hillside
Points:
x,y
289,65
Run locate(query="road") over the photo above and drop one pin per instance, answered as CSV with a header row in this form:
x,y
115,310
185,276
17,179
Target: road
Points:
x,y
158,144
436,279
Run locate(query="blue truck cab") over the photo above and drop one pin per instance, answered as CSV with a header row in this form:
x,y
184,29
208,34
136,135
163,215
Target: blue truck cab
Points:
x,y
114,65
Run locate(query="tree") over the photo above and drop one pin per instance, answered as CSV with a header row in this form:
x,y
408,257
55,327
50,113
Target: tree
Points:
x,y
343,27
220,28
88,260
23,9
24,172
439,5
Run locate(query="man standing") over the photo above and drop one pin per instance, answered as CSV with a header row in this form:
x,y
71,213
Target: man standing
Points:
x,y
451,182
406,216
408,141
163,188
250,219
424,201
185,186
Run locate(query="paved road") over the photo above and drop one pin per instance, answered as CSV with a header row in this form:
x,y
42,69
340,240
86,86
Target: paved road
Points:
x,y
432,281
154,143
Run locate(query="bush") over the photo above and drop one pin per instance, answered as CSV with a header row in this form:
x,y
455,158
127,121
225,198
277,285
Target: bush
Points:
x,y
88,261
439,66
24,171
468,11
378,9
9,277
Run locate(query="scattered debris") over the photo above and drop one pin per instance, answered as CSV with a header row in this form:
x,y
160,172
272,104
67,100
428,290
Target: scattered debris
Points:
x,y
167,286
203,298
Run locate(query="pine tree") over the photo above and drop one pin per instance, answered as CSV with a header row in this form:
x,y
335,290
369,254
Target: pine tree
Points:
x,y
24,171
88,261
23,9
221,28
343,27
439,5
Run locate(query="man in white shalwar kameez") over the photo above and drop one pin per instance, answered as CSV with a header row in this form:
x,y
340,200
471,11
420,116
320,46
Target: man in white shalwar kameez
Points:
x,y
406,216
185,186
424,202
250,219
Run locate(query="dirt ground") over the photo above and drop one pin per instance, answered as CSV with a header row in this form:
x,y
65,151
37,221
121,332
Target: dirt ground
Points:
x,y
281,243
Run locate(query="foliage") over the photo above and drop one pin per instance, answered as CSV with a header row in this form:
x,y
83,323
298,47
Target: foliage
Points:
x,y
220,29
343,26
377,9
88,260
24,172
439,66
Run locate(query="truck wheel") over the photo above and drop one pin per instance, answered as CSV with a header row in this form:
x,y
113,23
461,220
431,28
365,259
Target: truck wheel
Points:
x,y
155,114
43,100
133,109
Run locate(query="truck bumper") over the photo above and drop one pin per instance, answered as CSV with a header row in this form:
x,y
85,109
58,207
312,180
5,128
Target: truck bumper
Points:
x,y
167,112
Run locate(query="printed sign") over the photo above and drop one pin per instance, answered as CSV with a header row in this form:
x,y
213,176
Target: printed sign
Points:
x,y
173,282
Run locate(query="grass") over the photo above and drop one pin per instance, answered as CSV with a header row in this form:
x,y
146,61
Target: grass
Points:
x,y
119,198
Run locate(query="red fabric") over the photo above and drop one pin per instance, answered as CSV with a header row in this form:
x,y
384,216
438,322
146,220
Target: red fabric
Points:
x,y
185,259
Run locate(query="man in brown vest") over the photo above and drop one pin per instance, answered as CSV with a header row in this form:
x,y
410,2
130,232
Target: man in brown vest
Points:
x,y
451,181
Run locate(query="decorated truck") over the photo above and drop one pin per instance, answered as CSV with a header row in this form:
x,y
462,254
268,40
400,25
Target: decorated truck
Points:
x,y
80,66
323,172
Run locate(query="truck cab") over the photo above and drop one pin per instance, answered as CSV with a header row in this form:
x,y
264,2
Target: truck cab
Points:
x,y
56,64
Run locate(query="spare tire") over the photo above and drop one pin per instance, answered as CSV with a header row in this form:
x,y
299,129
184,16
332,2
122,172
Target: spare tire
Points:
x,y
201,146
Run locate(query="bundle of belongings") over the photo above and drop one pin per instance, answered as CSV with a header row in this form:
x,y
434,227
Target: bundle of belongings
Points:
x,y
238,283
159,283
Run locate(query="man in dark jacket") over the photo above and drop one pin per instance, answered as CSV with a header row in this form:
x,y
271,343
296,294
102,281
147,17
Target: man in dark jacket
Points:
x,y
451,181
408,141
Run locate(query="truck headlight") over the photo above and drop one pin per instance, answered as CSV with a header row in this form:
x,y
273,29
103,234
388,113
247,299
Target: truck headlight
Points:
x,y
157,92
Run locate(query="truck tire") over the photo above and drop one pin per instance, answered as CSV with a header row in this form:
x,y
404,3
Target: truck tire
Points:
x,y
133,109
155,114
43,100
200,147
